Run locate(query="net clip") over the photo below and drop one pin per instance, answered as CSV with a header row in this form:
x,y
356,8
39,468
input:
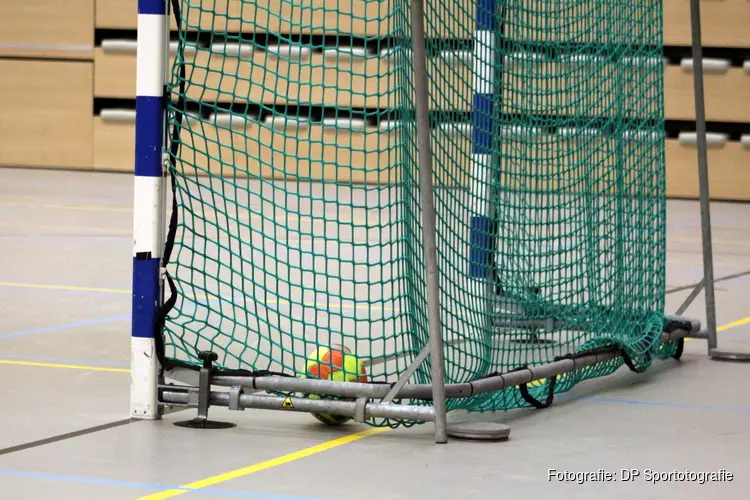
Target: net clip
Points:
x,y
359,410
166,162
234,398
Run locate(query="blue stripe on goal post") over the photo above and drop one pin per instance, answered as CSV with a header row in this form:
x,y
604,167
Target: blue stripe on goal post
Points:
x,y
148,204
481,244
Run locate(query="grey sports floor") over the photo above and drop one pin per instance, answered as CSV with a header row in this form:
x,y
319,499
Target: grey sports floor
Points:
x,y
65,258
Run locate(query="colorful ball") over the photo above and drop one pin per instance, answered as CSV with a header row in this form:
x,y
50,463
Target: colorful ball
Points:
x,y
334,363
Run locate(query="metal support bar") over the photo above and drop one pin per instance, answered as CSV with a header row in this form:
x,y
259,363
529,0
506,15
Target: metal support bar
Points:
x,y
690,298
429,237
420,391
550,324
703,334
406,375
700,122
179,396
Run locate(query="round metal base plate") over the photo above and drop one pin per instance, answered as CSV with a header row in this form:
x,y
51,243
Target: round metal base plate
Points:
x,y
204,424
479,431
729,356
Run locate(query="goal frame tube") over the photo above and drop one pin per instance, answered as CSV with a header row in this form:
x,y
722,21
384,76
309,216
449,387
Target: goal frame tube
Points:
x,y
149,222
180,395
707,283
149,205
429,231
484,87
361,411
411,391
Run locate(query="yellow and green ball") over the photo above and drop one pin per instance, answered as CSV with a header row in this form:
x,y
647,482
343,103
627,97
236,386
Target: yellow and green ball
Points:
x,y
334,363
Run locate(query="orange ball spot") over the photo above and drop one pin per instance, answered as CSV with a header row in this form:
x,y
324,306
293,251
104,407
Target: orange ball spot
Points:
x,y
330,362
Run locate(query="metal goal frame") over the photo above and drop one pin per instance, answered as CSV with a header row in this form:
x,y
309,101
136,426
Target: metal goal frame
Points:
x,y
149,391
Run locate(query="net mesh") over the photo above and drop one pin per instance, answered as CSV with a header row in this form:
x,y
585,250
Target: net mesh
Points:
x,y
294,167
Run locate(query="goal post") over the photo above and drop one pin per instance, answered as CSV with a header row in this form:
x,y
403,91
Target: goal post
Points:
x,y
149,206
463,199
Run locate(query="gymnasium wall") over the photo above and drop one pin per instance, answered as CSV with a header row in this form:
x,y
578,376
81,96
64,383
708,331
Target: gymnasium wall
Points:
x,y
67,88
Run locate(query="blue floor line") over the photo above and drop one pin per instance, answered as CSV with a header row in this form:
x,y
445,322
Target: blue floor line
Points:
x,y
55,328
684,406
79,324
163,487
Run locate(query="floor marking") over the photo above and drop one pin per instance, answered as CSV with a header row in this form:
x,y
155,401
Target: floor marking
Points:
x,y
84,208
373,221
728,326
67,435
63,361
716,280
271,301
733,324
95,231
274,462
66,288
61,365
133,484
46,329
595,399
74,364
698,223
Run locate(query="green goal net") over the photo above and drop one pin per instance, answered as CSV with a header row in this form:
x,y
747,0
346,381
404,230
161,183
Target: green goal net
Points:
x,y
297,221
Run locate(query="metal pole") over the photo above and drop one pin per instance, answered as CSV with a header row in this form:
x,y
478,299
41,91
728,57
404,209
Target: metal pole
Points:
x,y
181,397
148,205
700,123
379,391
428,219
177,395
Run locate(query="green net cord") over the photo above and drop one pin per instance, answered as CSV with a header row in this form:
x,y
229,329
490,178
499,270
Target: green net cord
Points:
x,y
297,188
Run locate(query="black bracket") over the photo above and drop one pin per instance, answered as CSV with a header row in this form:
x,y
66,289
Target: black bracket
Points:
x,y
203,402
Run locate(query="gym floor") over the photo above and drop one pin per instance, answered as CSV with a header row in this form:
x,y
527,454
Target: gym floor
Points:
x,y
65,247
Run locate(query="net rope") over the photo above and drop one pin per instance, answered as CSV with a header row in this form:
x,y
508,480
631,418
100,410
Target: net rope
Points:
x,y
298,219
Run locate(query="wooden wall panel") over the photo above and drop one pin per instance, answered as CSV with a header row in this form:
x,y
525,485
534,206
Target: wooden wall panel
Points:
x,y
46,113
47,28
726,89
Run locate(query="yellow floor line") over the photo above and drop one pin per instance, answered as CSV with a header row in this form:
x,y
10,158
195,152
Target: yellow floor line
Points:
x,y
722,328
59,365
274,462
733,324
728,326
281,218
84,208
95,231
71,288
